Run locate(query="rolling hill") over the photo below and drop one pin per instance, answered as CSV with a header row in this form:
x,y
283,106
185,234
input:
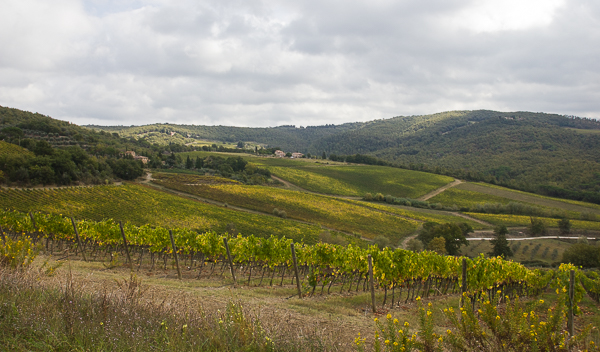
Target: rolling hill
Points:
x,y
546,153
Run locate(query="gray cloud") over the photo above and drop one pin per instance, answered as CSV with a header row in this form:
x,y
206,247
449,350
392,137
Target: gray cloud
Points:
x,y
259,63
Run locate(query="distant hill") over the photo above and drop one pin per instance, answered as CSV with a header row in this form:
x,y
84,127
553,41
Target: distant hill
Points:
x,y
547,153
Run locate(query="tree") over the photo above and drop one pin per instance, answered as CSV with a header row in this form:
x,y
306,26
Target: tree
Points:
x,y
324,156
438,245
11,132
240,145
582,254
454,234
381,242
565,226
199,163
188,163
537,227
43,148
414,245
500,245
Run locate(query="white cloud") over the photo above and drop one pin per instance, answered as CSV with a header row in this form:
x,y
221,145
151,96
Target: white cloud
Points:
x,y
259,63
503,15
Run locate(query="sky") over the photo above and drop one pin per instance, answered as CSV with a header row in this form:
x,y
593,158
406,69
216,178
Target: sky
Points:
x,y
304,62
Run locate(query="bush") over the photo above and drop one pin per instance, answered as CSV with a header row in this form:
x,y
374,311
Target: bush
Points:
x,y
565,226
414,245
582,254
368,197
381,242
17,254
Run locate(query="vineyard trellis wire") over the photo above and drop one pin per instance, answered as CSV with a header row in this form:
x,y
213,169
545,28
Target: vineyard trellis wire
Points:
x,y
400,271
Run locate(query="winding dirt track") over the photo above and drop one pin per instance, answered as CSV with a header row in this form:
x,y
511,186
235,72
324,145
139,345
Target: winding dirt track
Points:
x,y
440,190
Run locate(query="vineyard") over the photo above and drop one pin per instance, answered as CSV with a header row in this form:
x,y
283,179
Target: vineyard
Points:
x,y
520,196
356,180
521,220
9,148
141,205
316,269
420,214
327,211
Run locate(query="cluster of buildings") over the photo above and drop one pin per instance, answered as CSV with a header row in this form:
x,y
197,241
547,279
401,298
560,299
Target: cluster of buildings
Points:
x,y
282,154
137,157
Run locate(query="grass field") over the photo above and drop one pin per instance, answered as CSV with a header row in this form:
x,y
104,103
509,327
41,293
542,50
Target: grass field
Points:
x,y
317,209
497,191
145,205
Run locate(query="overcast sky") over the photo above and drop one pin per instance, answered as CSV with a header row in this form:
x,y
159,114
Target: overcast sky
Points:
x,y
302,62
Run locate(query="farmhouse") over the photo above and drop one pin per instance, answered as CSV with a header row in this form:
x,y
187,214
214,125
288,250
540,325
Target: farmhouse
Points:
x,y
297,155
143,159
279,153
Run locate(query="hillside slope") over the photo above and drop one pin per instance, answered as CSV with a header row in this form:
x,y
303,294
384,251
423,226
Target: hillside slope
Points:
x,y
546,153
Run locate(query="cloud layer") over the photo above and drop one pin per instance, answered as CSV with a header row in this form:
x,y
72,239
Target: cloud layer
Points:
x,y
307,62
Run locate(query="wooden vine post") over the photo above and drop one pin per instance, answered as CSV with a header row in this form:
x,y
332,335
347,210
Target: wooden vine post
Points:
x,y
295,262
126,246
2,234
175,254
230,261
79,245
37,233
372,283
463,288
570,324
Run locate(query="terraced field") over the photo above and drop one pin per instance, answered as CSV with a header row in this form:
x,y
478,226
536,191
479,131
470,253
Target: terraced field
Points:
x,y
145,205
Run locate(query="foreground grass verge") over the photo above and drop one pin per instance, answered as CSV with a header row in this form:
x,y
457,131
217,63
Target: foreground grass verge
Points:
x,y
63,314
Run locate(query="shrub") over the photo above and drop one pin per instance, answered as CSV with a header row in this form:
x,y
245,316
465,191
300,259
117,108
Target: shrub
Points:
x,y
565,226
17,254
414,245
582,254
381,242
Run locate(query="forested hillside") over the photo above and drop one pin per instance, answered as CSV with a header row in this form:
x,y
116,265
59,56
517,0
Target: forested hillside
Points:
x,y
49,151
290,138
545,153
